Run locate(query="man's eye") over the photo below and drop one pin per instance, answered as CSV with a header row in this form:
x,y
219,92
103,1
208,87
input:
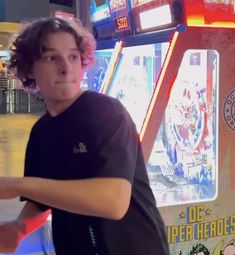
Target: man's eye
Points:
x,y
74,57
49,58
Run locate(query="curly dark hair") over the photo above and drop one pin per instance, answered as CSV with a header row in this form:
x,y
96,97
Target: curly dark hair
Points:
x,y
27,47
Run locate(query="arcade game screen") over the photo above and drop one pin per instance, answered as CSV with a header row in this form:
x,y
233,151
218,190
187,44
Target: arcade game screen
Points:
x,y
100,2
117,5
135,77
136,2
99,11
93,77
183,163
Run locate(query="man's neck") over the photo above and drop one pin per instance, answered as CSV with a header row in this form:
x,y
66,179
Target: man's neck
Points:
x,y
57,107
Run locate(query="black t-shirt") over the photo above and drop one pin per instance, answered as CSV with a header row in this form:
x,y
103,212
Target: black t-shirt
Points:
x,y
95,137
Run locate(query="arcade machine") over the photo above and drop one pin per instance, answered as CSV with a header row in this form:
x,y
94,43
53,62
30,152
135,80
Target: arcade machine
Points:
x,y
132,72
93,77
188,134
101,19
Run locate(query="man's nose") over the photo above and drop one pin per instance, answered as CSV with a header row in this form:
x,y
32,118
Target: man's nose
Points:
x,y
63,67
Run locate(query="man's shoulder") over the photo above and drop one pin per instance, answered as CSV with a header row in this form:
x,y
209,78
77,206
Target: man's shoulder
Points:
x,y
40,123
102,98
102,104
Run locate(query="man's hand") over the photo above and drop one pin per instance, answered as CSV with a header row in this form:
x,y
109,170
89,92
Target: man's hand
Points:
x,y
9,187
10,236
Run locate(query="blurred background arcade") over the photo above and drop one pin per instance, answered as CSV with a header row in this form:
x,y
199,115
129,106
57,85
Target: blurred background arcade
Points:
x,y
170,63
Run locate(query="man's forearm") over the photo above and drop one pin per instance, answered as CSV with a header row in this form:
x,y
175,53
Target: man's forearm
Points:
x,y
102,197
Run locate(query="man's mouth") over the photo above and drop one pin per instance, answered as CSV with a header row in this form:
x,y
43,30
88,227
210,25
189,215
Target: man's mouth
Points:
x,y
64,82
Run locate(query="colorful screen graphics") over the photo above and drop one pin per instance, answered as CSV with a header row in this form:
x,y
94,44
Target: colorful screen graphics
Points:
x,y
135,78
100,3
93,77
137,2
183,163
99,10
116,5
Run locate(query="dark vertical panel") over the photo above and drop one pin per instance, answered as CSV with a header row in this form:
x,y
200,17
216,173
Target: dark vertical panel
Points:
x,y
2,10
62,2
82,12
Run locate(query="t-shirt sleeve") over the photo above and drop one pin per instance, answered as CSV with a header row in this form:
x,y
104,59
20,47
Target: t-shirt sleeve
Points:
x,y
119,146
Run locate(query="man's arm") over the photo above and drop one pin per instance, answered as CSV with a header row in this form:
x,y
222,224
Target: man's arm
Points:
x,y
101,197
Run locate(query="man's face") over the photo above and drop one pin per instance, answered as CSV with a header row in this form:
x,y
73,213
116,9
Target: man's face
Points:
x,y
58,72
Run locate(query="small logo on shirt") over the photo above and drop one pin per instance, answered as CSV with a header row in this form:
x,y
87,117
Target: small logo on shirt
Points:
x,y
80,148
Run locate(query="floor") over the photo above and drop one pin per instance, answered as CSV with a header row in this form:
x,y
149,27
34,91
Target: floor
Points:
x,y
14,132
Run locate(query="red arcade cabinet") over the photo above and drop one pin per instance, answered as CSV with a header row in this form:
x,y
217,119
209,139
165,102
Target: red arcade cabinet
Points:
x,y
188,135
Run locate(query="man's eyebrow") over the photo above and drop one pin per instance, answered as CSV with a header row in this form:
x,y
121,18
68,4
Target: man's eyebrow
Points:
x,y
45,49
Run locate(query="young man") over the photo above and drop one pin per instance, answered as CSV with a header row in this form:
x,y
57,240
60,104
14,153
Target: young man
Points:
x,y
84,159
